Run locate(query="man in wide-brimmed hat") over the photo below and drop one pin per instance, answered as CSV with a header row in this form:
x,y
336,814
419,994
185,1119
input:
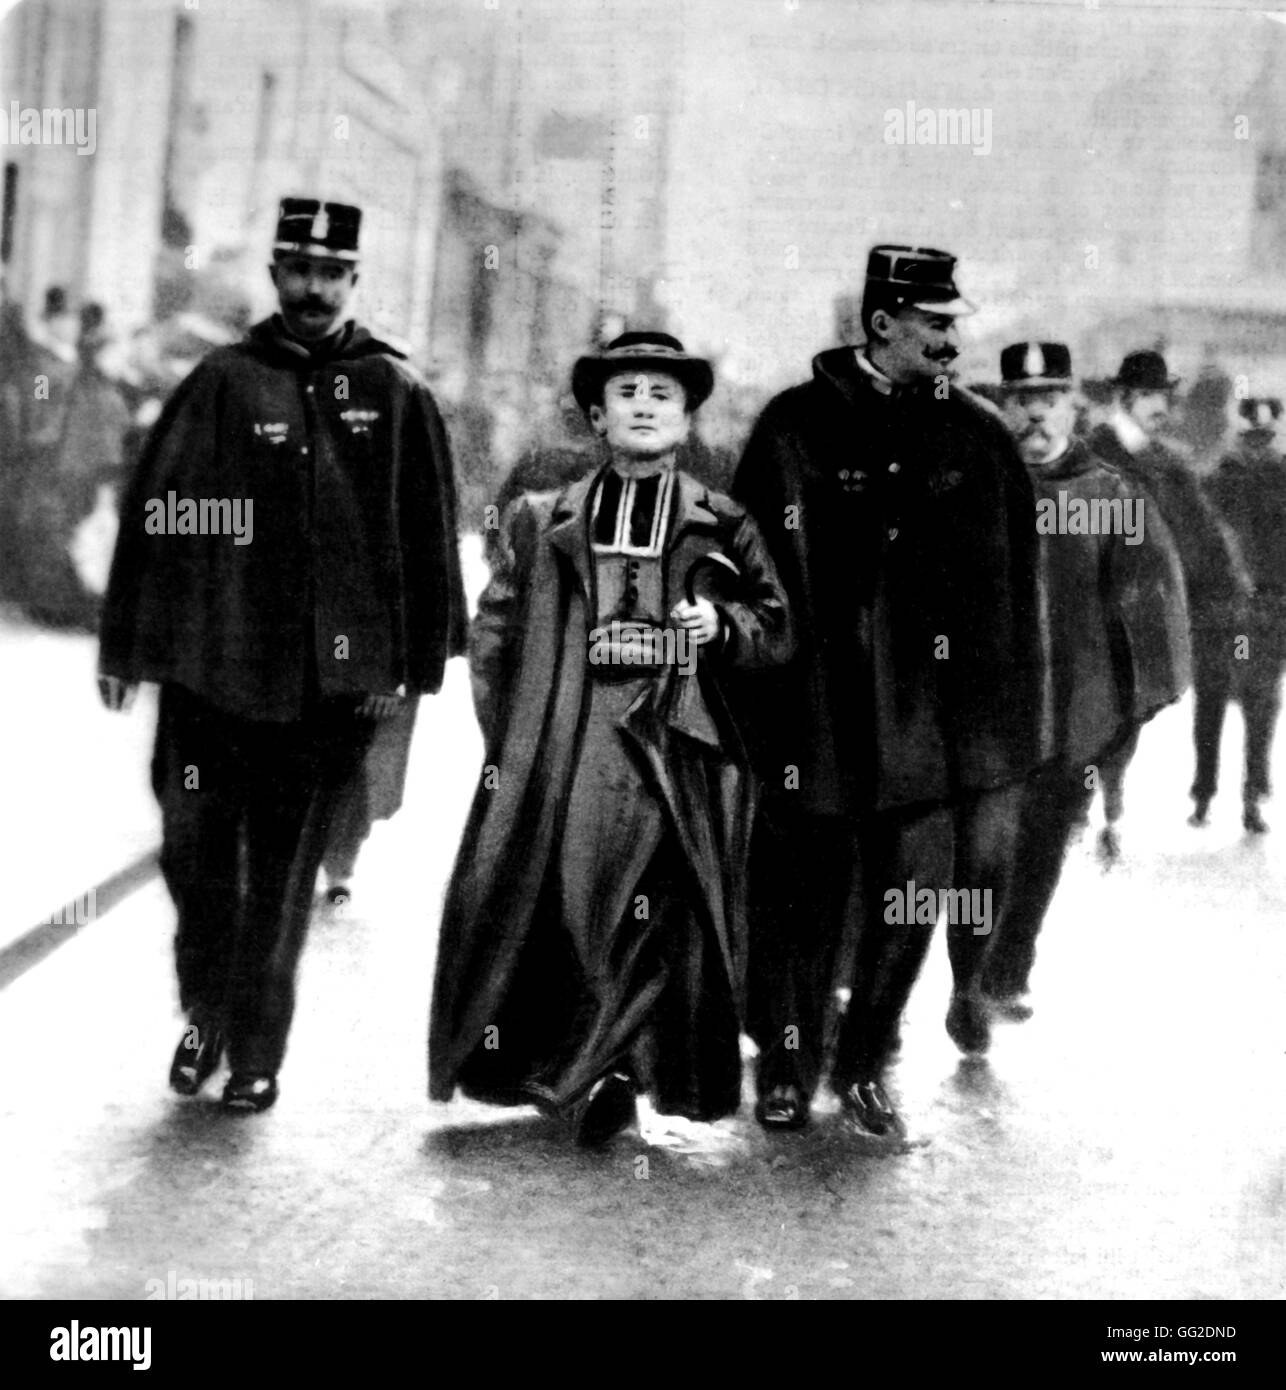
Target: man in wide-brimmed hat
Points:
x,y
1249,490
1214,576
592,945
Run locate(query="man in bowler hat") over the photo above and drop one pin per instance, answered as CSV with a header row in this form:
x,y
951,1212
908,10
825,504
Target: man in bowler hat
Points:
x,y
894,746
1249,491
279,646
1214,576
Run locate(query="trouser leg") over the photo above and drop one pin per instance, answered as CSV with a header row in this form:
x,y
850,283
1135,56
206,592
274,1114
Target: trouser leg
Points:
x,y
298,771
803,872
1054,801
984,829
1114,768
1260,704
349,828
1211,682
199,784
895,850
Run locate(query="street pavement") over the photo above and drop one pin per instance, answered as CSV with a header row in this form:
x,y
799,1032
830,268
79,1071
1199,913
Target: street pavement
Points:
x,y
1124,1143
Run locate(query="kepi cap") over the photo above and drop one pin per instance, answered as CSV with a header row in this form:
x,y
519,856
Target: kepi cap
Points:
x,y
1030,366
310,227
919,276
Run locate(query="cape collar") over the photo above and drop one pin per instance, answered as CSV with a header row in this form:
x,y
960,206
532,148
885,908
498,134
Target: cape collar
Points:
x,y
874,377
850,372
270,336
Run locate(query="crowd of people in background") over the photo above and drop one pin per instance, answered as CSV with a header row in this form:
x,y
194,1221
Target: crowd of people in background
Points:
x,y
76,402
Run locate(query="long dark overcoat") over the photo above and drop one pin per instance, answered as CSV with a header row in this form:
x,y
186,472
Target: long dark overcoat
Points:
x,y
529,661
903,527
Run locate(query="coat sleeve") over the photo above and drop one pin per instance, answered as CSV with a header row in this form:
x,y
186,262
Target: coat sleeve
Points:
x,y
435,618
1146,598
495,636
756,615
185,435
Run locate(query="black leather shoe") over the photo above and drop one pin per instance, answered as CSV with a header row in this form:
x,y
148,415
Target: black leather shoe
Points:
x,y
967,1023
250,1093
867,1105
1200,811
196,1056
1109,847
783,1107
607,1109
1252,820
338,894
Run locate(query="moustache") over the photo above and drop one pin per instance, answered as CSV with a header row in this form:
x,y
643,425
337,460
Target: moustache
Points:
x,y
311,305
944,355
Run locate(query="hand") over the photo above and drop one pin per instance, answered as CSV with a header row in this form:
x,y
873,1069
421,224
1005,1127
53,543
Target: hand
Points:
x,y
383,706
701,619
115,693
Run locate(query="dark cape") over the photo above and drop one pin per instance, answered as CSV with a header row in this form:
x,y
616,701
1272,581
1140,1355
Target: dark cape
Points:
x,y
1114,616
903,527
350,582
1213,571
528,658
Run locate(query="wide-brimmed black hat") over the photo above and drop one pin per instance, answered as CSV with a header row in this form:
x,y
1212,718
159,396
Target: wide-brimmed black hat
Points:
x,y
1260,412
309,227
641,351
1032,366
1144,371
919,276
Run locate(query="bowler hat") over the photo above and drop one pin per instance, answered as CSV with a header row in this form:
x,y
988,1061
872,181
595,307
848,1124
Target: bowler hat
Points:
x,y
1144,371
641,351
919,276
1031,365
309,227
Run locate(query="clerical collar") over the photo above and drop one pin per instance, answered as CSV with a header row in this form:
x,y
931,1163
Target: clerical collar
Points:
x,y
630,515
1134,438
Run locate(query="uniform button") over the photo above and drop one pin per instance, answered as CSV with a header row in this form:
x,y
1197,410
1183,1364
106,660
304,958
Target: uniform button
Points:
x,y
895,468
312,390
893,533
304,450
